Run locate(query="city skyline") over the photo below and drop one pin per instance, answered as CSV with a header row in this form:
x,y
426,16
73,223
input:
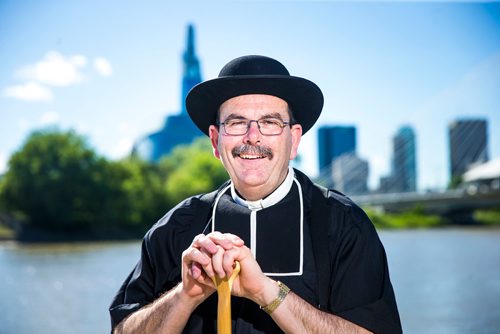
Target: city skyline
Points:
x,y
112,71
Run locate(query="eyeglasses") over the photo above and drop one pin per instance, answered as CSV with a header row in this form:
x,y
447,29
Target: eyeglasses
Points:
x,y
267,126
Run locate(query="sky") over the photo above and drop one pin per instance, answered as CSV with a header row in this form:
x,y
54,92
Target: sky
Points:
x,y
112,70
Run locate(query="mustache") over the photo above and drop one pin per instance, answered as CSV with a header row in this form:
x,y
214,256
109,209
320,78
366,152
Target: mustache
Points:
x,y
263,151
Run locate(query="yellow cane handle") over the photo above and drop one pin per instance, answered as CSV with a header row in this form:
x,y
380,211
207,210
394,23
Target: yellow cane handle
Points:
x,y
224,303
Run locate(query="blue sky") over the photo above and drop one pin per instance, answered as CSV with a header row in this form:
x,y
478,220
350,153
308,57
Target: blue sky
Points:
x,y
111,70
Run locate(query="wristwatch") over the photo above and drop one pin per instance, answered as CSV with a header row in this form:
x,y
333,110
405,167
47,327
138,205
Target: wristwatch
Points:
x,y
284,290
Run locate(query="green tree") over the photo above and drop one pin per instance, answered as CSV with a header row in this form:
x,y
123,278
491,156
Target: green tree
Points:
x,y
192,170
56,182
146,196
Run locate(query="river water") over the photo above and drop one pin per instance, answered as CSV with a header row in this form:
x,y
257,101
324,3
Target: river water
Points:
x,y
446,281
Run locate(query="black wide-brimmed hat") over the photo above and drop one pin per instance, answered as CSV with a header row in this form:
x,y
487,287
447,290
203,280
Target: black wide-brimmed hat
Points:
x,y
254,75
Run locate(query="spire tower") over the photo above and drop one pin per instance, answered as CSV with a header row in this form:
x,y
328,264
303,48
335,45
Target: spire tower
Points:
x,y
191,67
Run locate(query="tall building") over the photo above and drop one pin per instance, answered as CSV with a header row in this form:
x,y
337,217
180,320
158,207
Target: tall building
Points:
x,y
404,166
468,140
350,174
403,176
178,129
333,141
191,68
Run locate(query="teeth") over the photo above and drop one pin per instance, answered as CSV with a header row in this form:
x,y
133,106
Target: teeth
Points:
x,y
243,156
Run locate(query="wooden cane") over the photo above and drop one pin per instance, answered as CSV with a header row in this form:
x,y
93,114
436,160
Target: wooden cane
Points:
x,y
224,300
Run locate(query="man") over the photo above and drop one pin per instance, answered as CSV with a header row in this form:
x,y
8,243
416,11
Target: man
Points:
x,y
331,266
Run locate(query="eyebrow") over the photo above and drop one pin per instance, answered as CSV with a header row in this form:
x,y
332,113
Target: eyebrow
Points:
x,y
269,115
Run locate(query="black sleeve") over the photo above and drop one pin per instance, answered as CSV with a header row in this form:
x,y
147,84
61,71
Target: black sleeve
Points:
x,y
361,290
159,267
135,292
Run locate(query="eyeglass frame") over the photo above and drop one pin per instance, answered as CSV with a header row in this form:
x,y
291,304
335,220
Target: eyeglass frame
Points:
x,y
249,124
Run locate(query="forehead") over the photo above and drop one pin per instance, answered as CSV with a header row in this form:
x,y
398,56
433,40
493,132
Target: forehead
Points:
x,y
254,103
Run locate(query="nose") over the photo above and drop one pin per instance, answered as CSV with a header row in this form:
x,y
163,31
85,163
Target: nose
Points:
x,y
253,133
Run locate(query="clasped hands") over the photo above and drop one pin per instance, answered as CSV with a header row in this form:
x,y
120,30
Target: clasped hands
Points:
x,y
214,254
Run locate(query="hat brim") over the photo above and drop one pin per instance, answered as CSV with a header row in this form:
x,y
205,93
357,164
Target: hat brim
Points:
x,y
303,96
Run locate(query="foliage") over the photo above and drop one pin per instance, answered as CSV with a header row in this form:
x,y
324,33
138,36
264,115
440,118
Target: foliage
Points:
x,y
2,186
411,219
6,232
487,217
145,195
193,169
57,182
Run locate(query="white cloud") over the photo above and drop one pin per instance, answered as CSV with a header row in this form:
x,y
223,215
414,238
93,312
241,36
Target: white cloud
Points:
x,y
103,67
49,117
55,69
78,60
31,91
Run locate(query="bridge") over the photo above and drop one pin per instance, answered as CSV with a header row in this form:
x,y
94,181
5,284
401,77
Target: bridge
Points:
x,y
444,203
480,190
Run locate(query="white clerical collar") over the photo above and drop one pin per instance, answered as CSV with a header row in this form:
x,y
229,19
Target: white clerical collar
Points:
x,y
270,200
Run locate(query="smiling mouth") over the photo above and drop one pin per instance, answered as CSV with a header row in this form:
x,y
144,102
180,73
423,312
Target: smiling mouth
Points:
x,y
251,152
251,157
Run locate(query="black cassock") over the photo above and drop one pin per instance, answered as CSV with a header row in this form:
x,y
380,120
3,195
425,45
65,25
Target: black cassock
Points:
x,y
279,237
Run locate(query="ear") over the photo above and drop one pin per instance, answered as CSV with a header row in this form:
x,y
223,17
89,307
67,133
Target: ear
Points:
x,y
296,132
213,133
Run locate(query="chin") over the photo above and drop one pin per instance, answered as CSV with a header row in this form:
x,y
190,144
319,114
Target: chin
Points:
x,y
252,178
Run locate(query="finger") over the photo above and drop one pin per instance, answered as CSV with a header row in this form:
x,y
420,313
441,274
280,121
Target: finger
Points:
x,y
206,281
200,276
193,254
196,238
205,242
197,262
234,239
217,262
208,267
226,240
230,256
195,270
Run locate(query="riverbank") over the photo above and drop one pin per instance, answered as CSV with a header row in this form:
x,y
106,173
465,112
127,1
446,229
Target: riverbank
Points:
x,y
418,219
6,233
29,234
415,219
